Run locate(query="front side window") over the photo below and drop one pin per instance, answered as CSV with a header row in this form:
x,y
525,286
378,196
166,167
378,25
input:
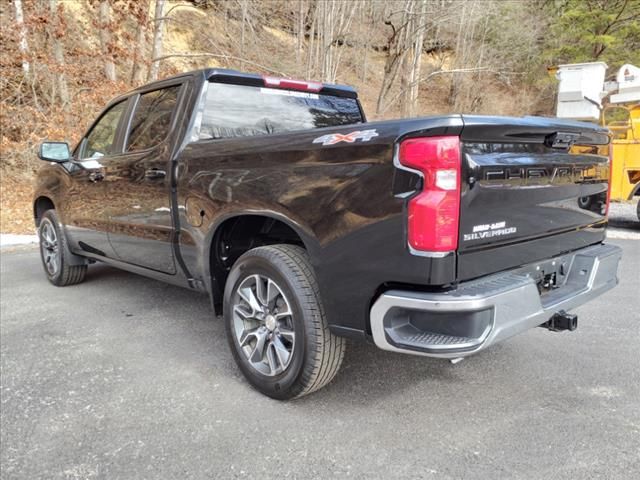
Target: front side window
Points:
x,y
101,139
242,111
152,119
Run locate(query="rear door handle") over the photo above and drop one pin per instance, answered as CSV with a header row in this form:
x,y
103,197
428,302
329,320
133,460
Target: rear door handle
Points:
x,y
154,174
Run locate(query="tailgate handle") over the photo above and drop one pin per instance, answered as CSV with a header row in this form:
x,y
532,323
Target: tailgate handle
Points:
x,y
561,139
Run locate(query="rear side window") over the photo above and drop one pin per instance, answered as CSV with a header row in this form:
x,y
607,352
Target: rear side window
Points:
x,y
152,119
242,111
101,139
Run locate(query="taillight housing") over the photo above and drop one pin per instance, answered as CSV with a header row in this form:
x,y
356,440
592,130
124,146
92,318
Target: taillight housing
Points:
x,y
434,212
290,84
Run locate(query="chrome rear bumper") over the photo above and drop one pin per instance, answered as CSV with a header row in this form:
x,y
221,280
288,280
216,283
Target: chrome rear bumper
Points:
x,y
477,314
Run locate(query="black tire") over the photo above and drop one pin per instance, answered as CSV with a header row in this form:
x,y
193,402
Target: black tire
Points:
x,y
638,209
585,203
316,353
69,269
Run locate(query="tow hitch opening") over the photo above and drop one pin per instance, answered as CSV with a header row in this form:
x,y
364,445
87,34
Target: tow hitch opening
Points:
x,y
561,321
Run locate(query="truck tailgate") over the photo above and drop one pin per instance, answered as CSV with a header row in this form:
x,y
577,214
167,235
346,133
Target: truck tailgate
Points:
x,y
532,188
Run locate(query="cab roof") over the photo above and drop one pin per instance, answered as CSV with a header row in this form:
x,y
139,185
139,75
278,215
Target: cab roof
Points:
x,y
223,75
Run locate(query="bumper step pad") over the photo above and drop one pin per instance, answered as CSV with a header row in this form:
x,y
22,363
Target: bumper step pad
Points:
x,y
410,337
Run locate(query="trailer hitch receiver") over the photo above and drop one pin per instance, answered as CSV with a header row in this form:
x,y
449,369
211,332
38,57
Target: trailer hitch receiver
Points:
x,y
562,321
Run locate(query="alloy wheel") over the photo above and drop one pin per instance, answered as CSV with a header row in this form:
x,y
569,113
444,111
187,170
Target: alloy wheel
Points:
x,y
50,247
263,324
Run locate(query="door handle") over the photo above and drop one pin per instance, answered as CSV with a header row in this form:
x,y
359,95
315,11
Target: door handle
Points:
x,y
154,174
96,177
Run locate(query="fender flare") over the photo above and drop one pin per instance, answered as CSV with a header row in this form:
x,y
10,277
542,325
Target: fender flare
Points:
x,y
309,240
71,257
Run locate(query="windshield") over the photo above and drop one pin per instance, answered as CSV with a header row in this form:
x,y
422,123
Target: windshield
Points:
x,y
229,111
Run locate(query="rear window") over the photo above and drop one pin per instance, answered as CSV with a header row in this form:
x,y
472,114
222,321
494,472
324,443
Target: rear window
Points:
x,y
230,111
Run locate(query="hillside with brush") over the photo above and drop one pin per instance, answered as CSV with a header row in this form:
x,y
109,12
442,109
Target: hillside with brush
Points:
x,y
63,60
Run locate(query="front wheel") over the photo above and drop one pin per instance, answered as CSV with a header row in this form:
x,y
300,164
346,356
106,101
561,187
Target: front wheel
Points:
x,y
275,323
61,267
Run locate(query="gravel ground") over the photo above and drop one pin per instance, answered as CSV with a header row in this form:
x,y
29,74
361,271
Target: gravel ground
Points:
x,y
122,377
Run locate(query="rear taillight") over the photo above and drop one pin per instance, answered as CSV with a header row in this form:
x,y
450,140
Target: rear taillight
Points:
x,y
434,213
291,84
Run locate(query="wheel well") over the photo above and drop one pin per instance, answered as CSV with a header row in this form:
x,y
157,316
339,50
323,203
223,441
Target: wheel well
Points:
x,y
41,205
238,235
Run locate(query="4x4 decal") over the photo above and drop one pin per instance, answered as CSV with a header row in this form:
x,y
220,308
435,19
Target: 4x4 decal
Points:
x,y
333,138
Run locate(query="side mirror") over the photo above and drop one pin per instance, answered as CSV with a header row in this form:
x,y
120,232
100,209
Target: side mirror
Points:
x,y
54,152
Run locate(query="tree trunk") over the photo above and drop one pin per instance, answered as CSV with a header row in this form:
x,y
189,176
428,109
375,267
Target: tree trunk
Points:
x,y
137,72
343,26
244,9
396,51
312,39
326,32
105,41
454,87
414,73
139,58
157,40
22,32
58,54
300,30
406,66
363,75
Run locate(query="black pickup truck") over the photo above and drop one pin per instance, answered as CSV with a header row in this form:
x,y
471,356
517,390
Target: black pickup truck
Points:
x,y
306,224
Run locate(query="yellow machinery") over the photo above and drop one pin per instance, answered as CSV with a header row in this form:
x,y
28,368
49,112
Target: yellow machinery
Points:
x,y
581,90
625,150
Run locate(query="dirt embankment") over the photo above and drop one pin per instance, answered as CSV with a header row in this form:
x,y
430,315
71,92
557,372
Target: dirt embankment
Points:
x,y
16,193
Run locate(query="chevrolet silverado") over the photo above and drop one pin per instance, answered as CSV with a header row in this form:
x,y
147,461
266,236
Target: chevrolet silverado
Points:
x,y
307,225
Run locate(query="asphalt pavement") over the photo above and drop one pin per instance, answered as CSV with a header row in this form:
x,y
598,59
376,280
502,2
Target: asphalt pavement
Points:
x,y
123,377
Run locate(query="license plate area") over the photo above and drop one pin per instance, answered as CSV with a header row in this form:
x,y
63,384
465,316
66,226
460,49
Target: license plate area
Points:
x,y
561,277
558,276
549,275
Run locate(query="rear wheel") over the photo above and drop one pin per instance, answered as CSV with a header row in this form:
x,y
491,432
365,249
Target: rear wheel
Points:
x,y
276,325
584,203
61,267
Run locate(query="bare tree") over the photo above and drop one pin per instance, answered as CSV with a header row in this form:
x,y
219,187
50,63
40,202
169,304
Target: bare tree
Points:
x,y
312,40
105,40
157,40
244,6
141,13
300,28
468,54
56,33
406,65
246,23
22,32
420,22
367,19
397,48
334,17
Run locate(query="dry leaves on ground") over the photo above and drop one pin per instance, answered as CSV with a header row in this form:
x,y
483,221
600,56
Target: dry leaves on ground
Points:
x,y
16,211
